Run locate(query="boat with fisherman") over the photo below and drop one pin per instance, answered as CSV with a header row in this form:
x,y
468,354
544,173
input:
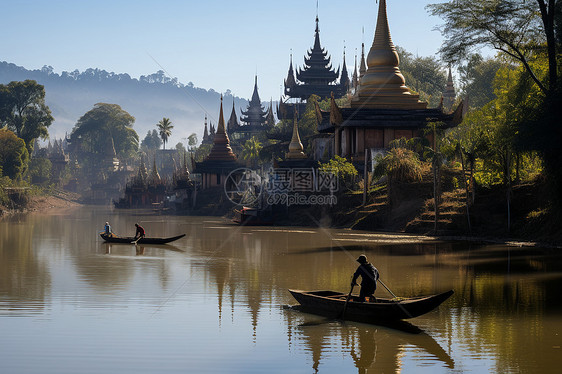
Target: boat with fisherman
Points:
x,y
340,305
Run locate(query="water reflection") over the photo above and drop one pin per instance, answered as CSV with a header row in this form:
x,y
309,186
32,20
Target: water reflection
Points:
x,y
370,347
505,313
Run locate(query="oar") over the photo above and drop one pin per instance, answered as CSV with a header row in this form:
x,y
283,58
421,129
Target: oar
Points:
x,y
346,301
388,289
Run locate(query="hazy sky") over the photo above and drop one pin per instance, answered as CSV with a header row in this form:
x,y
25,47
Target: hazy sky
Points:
x,y
213,43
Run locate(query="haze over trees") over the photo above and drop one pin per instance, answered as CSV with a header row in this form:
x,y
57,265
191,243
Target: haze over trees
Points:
x,y
71,94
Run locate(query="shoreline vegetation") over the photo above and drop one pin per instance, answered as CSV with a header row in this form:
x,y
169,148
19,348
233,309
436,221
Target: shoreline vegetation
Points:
x,y
413,216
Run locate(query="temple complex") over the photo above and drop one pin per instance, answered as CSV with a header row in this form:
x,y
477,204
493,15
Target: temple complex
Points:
x,y
221,160
383,108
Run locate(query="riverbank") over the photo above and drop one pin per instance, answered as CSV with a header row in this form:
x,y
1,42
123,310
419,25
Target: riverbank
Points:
x,y
41,202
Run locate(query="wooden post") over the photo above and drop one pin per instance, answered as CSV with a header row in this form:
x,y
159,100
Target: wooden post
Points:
x,y
365,178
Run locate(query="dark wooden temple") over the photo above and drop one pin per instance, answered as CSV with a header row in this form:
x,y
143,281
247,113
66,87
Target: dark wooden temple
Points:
x,y
317,77
256,119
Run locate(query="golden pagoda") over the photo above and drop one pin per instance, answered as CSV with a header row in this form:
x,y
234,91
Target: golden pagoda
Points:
x,y
383,85
295,147
383,108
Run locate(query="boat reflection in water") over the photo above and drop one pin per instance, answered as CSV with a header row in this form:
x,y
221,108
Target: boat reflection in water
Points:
x,y
390,342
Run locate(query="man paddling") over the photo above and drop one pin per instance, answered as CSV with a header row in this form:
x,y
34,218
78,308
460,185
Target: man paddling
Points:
x,y
140,232
369,276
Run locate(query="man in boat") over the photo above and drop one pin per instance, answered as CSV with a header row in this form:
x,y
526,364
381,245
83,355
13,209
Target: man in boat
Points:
x,y
107,229
140,232
369,276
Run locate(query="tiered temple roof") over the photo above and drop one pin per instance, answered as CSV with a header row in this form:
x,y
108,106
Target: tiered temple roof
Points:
x,y
255,114
317,76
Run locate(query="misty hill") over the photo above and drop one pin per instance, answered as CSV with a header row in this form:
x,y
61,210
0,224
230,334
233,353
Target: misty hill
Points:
x,y
149,99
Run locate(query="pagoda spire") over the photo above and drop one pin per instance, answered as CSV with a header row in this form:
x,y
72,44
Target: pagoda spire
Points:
x,y
449,94
221,150
295,147
290,81
344,78
362,66
232,123
355,78
383,85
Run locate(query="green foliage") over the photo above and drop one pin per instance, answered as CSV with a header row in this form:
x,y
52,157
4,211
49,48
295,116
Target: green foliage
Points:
x,y
151,141
23,110
165,129
401,165
251,151
100,125
40,169
477,79
14,156
344,170
202,151
515,28
424,75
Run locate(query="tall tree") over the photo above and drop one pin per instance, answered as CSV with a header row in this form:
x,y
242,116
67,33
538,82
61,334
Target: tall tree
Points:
x,y
517,28
165,129
105,122
23,110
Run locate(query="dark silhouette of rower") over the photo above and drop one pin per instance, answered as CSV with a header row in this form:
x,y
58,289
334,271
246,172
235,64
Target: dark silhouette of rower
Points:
x,y
369,276
140,232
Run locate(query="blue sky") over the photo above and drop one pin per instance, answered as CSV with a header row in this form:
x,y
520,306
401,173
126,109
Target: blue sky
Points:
x,y
214,43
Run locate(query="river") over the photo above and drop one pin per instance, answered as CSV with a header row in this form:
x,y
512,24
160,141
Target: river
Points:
x,y
216,301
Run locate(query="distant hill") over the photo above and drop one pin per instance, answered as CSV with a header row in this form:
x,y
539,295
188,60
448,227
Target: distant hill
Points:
x,y
149,99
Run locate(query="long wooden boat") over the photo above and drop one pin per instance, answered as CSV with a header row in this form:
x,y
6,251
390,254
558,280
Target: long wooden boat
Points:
x,y
331,304
145,240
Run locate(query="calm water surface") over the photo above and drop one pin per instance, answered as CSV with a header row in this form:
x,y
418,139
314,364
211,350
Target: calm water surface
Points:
x,y
216,301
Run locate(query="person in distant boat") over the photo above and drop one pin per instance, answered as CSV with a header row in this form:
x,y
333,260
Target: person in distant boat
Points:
x,y
369,276
140,232
107,229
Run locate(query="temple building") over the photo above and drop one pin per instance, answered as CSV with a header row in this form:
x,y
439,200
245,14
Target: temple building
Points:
x,y
383,108
254,118
143,190
221,160
317,77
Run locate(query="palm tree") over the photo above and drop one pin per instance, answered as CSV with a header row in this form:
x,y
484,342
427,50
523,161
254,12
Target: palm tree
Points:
x,y
251,151
165,128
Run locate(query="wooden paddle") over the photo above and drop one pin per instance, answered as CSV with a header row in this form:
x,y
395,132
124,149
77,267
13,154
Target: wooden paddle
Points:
x,y
388,289
342,315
